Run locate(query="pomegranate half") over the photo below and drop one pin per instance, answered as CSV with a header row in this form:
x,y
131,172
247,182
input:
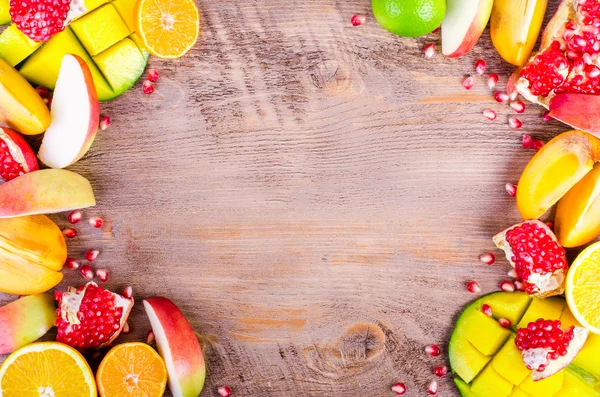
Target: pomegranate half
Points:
x,y
16,157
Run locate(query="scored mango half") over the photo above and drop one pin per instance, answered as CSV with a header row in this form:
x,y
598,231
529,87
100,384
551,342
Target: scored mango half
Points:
x,y
564,172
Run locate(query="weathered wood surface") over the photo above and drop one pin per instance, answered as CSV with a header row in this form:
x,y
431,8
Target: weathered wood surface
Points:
x,y
313,195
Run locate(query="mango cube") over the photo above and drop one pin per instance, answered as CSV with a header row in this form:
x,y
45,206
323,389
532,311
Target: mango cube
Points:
x,y
573,386
122,65
508,306
100,29
465,359
518,393
4,12
543,388
548,309
15,46
126,9
485,333
508,362
490,384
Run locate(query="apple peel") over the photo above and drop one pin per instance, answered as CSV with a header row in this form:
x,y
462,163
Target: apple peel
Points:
x,y
581,111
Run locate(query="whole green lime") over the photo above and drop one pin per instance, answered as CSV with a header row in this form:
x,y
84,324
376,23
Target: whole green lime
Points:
x,y
409,18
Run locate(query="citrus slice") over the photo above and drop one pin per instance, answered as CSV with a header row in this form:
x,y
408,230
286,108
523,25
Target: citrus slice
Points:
x,y
583,288
46,369
168,29
132,370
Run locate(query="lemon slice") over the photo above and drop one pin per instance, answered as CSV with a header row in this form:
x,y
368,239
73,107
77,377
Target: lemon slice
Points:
x,y
583,288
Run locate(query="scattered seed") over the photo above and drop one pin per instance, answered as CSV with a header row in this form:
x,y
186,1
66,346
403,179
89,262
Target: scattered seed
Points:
x,y
102,275
126,329
550,224
504,323
488,258
515,123
480,66
72,264
546,116
513,273
519,286
489,114
507,286
429,50
225,391
147,87
153,75
96,222
128,292
43,92
527,142
150,338
91,255
486,309
87,272
75,217
69,232
105,123
468,83
518,106
492,80
432,350
511,189
473,287
399,388
537,144
432,388
440,371
513,95
501,97
357,20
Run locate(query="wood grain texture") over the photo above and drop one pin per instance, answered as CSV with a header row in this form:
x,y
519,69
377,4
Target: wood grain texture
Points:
x,y
313,196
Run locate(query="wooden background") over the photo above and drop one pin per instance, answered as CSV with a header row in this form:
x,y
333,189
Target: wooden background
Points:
x,y
313,195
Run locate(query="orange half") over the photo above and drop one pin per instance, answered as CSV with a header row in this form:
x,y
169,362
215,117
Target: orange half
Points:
x,y
583,288
168,29
132,370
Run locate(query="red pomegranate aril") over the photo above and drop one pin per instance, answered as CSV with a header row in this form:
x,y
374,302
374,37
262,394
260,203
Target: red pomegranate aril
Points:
x,y
544,334
507,286
69,232
480,66
39,19
440,371
399,388
153,75
429,50
96,222
515,123
225,391
126,329
473,287
488,258
357,20
486,309
105,123
527,142
87,272
511,189
546,116
519,286
518,106
468,83
75,217
9,167
102,275
433,388
43,91
513,95
504,323
501,97
147,87
537,144
512,273
492,80
128,292
150,338
91,255
72,264
432,350
489,114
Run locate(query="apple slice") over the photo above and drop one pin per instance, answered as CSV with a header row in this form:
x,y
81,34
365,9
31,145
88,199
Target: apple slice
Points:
x,y
75,115
178,346
580,111
45,192
463,24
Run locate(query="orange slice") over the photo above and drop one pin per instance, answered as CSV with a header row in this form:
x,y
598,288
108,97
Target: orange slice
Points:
x,y
132,370
583,288
168,29
46,369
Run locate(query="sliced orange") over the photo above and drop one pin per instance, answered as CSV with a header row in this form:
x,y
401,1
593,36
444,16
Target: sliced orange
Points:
x,y
168,29
46,369
583,288
132,370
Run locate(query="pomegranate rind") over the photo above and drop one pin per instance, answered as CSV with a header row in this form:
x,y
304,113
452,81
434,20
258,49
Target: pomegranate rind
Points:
x,y
581,111
548,284
19,149
554,366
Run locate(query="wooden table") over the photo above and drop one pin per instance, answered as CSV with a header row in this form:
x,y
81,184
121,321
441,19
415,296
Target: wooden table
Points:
x,y
313,195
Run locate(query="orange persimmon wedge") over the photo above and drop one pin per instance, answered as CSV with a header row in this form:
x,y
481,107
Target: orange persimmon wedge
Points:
x,y
554,170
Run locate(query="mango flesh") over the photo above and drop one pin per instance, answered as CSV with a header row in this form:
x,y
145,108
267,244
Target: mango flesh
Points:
x,y
545,387
509,364
574,386
4,12
99,30
548,309
122,64
511,307
485,333
490,383
588,358
25,320
518,393
32,253
15,46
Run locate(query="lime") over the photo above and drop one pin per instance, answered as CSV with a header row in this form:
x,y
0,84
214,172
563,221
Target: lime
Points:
x,y
409,18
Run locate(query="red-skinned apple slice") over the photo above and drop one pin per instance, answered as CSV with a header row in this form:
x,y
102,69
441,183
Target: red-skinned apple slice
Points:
x,y
16,156
75,115
178,346
463,24
580,111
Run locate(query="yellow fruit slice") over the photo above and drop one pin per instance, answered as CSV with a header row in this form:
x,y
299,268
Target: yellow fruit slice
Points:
x,y
583,288
46,369
168,29
132,370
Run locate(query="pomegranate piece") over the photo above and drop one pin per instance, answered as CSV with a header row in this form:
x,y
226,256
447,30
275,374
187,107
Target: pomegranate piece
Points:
x,y
153,75
473,287
504,323
225,391
468,83
440,371
69,232
75,217
90,316
96,222
147,87
486,309
72,264
515,123
507,286
102,275
399,388
489,114
150,337
356,20
16,157
40,19
518,106
527,142
546,348
429,50
432,350
492,80
105,123
537,144
501,97
87,272
433,387
532,249
480,66
511,189
128,292
92,255
488,258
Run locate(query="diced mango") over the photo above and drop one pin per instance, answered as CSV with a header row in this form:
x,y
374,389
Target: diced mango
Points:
x,y
138,42
574,386
15,46
548,309
518,393
509,306
463,388
490,384
126,9
465,359
508,362
589,356
100,29
485,333
4,12
543,388
122,65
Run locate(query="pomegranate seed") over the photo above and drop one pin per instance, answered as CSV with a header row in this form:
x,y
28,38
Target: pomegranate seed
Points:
x,y
105,123
150,338
544,334
513,95
43,92
147,87
432,350
550,225
515,123
518,106
40,19
489,114
511,189
504,323
473,287
519,286
546,116
153,75
96,222
486,309
513,273
507,286
225,391
480,66
429,50
128,292
399,388
468,83
69,232
537,144
487,258
91,255
432,388
501,97
87,272
492,80
102,275
72,264
357,20
527,142
440,371
75,217
126,329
